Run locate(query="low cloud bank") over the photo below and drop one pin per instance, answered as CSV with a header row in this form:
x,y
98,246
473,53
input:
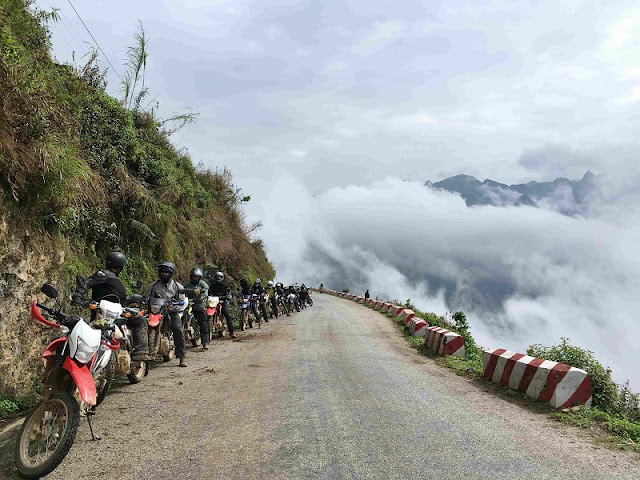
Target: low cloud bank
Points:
x,y
521,274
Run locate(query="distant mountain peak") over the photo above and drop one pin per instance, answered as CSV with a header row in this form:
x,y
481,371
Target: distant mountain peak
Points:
x,y
551,195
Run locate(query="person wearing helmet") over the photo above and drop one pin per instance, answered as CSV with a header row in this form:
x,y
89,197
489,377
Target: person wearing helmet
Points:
x,y
105,283
220,288
273,298
197,290
258,289
281,297
304,293
169,290
245,287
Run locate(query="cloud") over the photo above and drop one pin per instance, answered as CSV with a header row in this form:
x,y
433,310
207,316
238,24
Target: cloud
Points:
x,y
523,275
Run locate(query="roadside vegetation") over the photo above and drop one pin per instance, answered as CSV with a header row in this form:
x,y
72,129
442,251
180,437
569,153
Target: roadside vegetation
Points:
x,y
616,409
83,173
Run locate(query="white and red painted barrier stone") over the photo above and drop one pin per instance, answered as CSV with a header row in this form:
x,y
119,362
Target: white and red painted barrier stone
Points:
x,y
386,306
444,342
396,311
369,301
418,326
555,383
407,315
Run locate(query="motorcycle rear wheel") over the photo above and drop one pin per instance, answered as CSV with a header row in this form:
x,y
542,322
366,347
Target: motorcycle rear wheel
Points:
x,y
56,421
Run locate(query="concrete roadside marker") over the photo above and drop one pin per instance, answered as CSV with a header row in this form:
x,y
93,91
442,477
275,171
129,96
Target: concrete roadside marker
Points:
x,y
550,382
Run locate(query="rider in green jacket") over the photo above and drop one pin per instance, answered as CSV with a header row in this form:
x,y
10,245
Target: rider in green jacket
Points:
x,y
197,290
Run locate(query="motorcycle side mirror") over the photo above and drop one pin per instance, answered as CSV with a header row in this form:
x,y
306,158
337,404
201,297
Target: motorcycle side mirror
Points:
x,y
49,290
138,284
136,298
181,290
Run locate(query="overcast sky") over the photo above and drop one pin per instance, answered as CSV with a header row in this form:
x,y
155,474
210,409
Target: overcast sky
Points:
x,y
344,92
320,108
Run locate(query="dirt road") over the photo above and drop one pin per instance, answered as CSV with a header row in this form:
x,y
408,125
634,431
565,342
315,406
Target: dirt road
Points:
x,y
331,392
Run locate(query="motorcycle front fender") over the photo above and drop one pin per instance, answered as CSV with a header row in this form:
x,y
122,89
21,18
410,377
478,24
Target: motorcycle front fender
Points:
x,y
154,319
83,379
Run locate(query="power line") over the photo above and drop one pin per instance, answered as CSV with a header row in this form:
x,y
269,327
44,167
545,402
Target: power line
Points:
x,y
73,37
70,23
94,39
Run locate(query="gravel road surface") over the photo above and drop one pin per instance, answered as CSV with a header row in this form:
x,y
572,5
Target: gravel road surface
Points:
x,y
331,392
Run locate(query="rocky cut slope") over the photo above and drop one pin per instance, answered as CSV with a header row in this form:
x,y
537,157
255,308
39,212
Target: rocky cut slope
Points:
x,y
81,175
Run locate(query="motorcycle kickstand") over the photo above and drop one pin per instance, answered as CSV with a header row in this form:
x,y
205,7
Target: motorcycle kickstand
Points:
x,y
94,437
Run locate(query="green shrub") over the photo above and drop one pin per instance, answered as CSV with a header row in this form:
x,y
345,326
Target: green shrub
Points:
x,y
607,395
7,407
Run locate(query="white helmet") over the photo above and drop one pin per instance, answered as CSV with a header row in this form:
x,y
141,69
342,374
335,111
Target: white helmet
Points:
x,y
269,283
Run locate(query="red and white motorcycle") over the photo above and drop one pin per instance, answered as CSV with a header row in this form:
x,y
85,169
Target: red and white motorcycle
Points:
x,y
214,317
50,427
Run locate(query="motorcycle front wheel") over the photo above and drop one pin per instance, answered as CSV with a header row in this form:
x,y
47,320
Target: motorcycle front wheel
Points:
x,y
47,435
104,380
138,371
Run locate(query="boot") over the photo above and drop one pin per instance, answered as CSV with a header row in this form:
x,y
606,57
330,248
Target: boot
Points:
x,y
141,357
183,362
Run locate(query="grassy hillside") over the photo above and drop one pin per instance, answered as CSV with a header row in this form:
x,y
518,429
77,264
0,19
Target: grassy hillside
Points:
x,y
76,163
81,175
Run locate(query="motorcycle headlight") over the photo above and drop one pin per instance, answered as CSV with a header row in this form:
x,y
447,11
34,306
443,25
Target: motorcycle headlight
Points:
x,y
85,351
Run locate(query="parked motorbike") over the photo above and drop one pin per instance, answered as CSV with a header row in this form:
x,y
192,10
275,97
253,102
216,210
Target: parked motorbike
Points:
x,y
191,328
293,303
160,336
245,315
50,427
309,299
214,315
283,304
254,305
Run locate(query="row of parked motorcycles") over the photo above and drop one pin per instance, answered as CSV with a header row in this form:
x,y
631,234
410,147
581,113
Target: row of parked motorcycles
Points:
x,y
81,365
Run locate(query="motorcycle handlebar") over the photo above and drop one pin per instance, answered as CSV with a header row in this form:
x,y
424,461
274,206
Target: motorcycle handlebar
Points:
x,y
44,307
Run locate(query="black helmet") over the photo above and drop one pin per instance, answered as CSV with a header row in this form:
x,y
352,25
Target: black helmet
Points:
x,y
167,266
218,277
115,260
196,272
244,282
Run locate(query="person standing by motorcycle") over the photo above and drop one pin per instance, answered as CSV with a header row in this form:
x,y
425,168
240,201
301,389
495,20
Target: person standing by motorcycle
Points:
x,y
273,297
245,287
304,292
258,289
168,289
105,283
292,291
281,294
219,288
197,290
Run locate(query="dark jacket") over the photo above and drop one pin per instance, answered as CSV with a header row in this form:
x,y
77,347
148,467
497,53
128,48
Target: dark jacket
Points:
x,y
219,289
257,290
101,284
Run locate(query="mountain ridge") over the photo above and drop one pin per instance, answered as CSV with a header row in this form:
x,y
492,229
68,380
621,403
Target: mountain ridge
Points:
x,y
569,197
